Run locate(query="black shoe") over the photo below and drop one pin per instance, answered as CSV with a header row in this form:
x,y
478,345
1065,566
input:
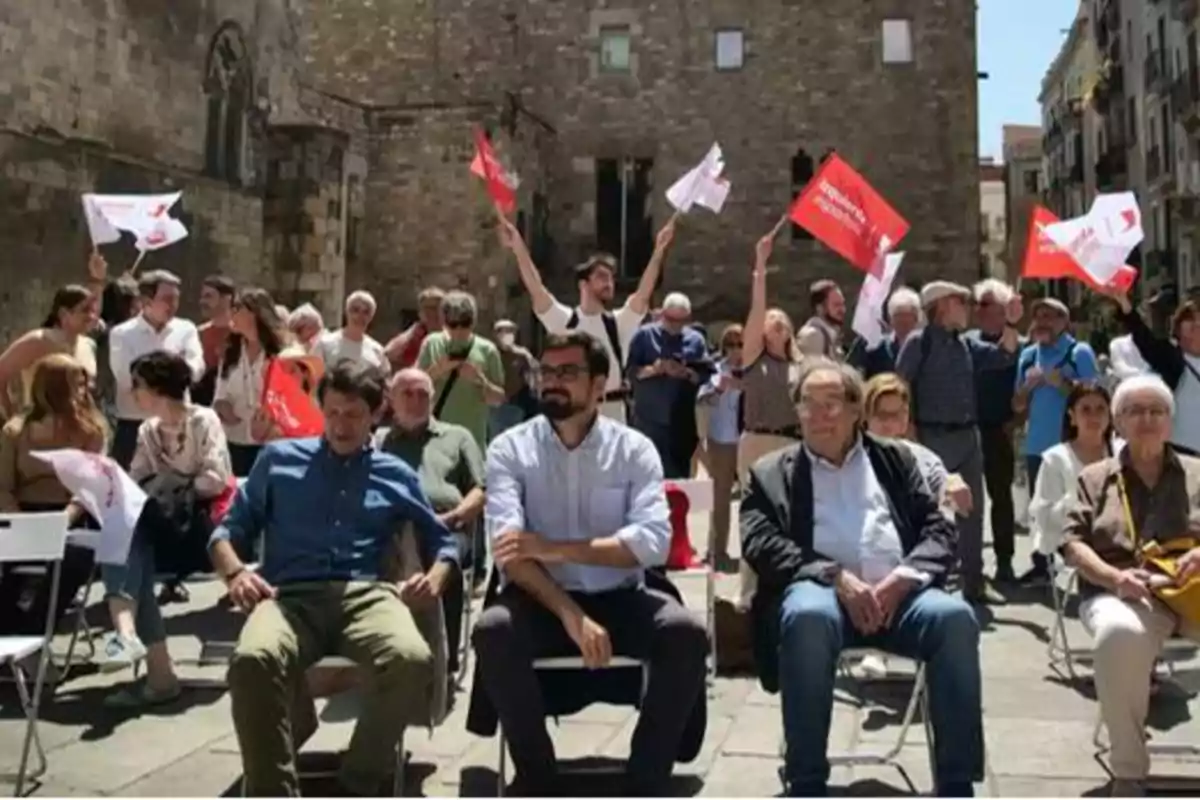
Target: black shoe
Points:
x,y
173,593
808,790
1037,575
539,787
1004,572
956,790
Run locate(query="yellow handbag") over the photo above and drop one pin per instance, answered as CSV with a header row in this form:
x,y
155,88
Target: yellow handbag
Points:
x,y
1161,560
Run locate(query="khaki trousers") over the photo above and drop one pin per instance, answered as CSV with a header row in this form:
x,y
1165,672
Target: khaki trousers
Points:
x,y
363,621
1127,639
722,463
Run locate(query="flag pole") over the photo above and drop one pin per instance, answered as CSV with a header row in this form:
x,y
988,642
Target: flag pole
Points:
x,y
137,262
779,225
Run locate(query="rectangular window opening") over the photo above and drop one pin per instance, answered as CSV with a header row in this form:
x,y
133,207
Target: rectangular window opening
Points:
x,y
730,45
897,41
615,48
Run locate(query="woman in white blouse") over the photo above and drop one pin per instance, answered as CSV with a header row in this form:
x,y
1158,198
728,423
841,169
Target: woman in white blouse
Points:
x,y
256,337
179,444
1087,438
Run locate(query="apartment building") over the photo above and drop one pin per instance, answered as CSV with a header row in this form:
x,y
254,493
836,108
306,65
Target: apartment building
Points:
x,y
1023,182
993,226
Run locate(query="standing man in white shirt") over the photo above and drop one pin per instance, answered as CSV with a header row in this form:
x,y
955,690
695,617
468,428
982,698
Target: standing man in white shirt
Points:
x,y
596,278
155,328
352,341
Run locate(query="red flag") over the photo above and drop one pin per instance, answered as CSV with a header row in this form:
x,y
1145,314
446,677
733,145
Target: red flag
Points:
x,y
501,184
289,406
841,209
1046,260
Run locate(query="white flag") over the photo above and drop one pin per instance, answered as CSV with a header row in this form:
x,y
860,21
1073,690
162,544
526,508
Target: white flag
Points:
x,y
1101,240
144,215
868,313
702,185
106,491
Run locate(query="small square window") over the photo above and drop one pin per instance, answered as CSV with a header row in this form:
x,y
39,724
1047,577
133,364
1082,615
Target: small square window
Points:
x,y
897,41
614,49
730,49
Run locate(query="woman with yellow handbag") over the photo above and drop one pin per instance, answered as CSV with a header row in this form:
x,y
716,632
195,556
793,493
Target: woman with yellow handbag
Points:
x,y
1133,536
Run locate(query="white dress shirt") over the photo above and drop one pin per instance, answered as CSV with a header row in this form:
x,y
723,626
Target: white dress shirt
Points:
x,y
135,338
243,388
610,485
852,521
628,320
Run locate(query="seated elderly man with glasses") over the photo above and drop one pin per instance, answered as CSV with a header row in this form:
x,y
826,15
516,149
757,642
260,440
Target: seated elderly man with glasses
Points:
x,y
1145,493
851,549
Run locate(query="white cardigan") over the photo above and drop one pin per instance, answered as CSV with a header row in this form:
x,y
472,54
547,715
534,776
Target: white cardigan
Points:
x,y
1054,495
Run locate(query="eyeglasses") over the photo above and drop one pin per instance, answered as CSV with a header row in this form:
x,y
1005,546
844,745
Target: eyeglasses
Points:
x,y
566,372
459,324
1155,413
826,408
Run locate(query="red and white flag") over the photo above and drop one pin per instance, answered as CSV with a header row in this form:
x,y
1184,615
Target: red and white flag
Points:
x,y
288,406
501,183
868,312
702,185
107,492
1047,261
1101,240
844,212
146,216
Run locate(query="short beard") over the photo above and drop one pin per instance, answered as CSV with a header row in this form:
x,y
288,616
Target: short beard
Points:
x,y
555,409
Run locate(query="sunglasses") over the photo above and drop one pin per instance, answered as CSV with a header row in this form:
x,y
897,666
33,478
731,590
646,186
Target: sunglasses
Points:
x,y
459,324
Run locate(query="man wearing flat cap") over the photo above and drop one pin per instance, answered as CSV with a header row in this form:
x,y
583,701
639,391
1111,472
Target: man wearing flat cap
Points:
x,y
1047,370
942,367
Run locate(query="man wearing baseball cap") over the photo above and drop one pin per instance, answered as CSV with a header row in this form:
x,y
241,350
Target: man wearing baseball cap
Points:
x,y
940,365
1047,370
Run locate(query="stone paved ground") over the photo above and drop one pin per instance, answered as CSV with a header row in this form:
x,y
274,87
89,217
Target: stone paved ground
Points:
x,y
1039,729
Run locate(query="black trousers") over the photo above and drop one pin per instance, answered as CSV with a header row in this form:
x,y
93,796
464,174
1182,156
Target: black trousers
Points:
x,y
641,623
124,441
999,466
242,458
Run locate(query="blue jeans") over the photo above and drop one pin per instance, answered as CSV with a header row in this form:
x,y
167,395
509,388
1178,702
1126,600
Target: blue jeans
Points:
x,y
503,417
135,582
930,625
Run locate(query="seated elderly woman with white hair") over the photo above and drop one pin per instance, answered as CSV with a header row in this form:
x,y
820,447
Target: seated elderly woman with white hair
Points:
x,y
351,341
1145,493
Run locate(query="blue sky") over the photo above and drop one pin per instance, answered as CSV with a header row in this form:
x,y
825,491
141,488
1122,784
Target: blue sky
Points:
x,y
1017,41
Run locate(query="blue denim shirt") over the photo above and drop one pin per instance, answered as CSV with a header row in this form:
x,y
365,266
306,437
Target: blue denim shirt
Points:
x,y
994,388
325,517
1048,404
655,399
723,423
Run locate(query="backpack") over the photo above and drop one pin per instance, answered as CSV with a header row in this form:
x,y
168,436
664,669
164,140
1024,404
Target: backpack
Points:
x,y
610,329
1067,361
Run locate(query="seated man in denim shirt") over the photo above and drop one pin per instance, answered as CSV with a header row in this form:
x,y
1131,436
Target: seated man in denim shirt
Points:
x,y
328,510
577,514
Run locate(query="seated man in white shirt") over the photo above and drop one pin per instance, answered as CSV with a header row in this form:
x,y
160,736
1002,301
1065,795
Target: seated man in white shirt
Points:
x,y
577,513
156,328
851,549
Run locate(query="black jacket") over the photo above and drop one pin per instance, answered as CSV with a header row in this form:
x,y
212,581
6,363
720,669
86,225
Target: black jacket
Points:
x,y
1163,355
777,533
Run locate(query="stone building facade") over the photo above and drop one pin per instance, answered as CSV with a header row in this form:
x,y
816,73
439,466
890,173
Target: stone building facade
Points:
x,y
323,145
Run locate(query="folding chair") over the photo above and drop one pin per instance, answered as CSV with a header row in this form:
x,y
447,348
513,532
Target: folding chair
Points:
x,y
561,663
39,538
79,627
699,492
919,698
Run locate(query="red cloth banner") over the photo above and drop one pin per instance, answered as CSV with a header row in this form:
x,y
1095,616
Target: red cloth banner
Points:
x,y
1047,261
501,184
844,212
289,407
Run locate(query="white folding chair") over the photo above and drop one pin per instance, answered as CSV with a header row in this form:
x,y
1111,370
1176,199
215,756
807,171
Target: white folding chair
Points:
x,y
562,663
699,492
918,699
79,627
41,538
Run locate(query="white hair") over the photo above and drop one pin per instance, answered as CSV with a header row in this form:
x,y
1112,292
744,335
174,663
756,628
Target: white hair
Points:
x,y
903,299
1000,291
1142,383
361,295
677,301
305,314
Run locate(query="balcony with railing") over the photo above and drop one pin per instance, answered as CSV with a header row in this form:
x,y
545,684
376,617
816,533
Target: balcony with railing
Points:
x,y
1112,168
1154,164
1109,85
1155,72
1075,174
1185,100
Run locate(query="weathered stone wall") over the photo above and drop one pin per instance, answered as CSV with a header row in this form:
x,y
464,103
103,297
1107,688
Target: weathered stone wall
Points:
x,y
45,240
813,78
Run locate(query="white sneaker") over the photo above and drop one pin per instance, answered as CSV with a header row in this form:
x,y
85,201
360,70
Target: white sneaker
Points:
x,y
874,666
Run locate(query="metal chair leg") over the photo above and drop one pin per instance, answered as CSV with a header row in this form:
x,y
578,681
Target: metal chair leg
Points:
x,y
502,767
710,611
33,740
400,768
80,626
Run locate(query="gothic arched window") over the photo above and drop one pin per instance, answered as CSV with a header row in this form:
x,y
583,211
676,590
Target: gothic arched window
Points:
x,y
227,83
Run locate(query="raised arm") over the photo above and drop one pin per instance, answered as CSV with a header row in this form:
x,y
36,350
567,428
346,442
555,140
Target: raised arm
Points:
x,y
511,238
639,301
756,321
1160,354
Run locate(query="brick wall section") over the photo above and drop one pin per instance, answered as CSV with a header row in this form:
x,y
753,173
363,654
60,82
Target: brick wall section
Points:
x,y
45,239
